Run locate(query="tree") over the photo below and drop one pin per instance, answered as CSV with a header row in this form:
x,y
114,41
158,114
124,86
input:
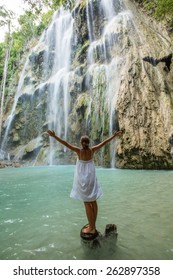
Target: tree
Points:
x,y
39,5
6,17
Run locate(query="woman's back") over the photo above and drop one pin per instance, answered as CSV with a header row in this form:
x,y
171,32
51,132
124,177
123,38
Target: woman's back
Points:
x,y
85,154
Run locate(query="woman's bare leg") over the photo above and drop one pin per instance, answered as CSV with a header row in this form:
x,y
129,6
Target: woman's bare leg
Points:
x,y
91,213
95,210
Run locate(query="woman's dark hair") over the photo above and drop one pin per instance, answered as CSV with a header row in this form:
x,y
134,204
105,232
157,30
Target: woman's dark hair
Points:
x,y
85,139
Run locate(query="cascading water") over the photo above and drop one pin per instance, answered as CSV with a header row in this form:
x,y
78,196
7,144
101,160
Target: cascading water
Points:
x,y
58,104
49,73
8,122
103,67
56,42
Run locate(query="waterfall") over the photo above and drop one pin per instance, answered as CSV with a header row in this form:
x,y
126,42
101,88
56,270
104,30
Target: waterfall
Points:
x,y
59,99
103,67
90,20
8,122
56,42
49,73
108,8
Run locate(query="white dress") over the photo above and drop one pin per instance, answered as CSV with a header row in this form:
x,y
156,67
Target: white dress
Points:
x,y
85,185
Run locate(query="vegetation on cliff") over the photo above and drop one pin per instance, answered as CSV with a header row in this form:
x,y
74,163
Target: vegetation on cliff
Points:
x,y
160,9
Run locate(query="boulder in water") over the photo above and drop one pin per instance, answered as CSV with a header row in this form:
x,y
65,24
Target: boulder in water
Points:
x,y
96,240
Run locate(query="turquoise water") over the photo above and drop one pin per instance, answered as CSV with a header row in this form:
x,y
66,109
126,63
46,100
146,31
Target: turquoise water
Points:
x,y
38,219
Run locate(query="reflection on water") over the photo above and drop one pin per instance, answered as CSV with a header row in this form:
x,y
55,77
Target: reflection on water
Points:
x,y
38,219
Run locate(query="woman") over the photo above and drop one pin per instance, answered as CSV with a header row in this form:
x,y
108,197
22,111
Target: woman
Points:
x,y
85,185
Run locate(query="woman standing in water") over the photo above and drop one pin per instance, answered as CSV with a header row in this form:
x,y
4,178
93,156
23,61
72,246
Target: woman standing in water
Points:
x,y
85,185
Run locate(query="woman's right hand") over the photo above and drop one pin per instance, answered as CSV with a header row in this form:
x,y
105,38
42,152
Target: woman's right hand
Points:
x,y
51,133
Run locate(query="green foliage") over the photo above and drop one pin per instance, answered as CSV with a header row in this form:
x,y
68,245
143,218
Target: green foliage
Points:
x,y
30,26
159,8
5,16
68,4
164,8
39,5
46,18
27,25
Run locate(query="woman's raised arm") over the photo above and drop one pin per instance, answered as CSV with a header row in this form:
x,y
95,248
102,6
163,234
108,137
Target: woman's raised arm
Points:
x,y
97,147
63,142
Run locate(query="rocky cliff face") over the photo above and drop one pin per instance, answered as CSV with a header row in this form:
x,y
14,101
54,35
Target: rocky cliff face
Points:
x,y
96,83
145,102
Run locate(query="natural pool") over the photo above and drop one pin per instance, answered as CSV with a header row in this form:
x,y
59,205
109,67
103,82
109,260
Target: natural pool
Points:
x,y
38,219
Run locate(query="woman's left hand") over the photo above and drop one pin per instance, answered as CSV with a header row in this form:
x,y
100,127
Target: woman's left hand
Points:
x,y
118,132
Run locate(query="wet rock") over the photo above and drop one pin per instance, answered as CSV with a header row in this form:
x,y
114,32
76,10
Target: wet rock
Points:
x,y
7,164
97,240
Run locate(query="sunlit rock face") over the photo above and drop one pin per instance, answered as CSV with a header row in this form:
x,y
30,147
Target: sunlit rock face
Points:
x,y
87,75
145,102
